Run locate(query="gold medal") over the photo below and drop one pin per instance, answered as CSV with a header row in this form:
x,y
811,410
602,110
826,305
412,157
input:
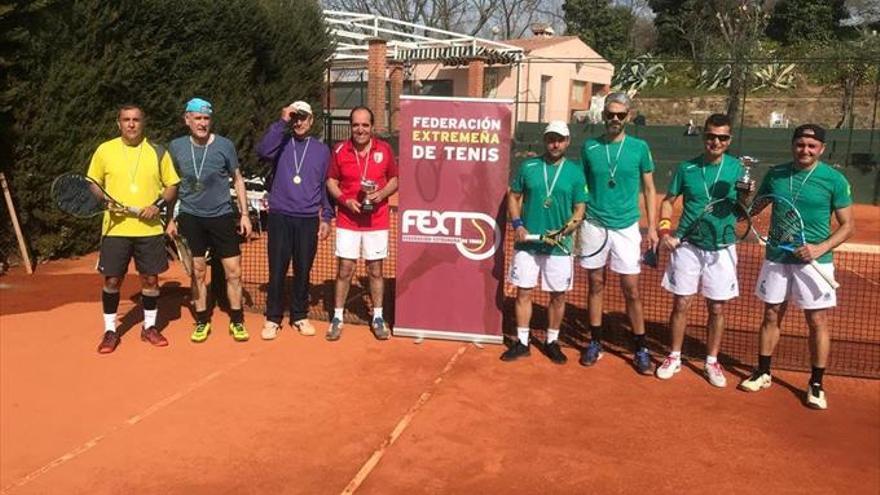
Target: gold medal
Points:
x,y
548,202
297,179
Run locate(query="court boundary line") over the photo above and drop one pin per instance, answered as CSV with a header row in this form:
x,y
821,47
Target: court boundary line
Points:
x,y
128,422
401,425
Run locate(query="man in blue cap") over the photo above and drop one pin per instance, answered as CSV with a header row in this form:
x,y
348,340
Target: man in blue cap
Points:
x,y
205,163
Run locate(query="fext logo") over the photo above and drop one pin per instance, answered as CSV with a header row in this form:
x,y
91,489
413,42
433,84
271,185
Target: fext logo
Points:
x,y
436,227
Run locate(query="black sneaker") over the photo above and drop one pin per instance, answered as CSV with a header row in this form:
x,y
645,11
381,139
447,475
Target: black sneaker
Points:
x,y
554,352
515,352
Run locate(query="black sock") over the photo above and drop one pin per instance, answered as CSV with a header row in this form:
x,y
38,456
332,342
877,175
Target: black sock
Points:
x,y
596,334
764,363
640,341
110,301
816,376
202,317
150,302
236,315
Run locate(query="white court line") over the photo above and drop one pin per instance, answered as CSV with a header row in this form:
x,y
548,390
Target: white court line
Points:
x,y
137,418
407,418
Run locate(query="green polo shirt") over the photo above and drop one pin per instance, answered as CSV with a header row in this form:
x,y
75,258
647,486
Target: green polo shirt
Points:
x,y
616,207
816,193
699,183
540,215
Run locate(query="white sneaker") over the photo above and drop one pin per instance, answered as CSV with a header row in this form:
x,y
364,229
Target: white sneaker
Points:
x,y
756,382
304,327
715,375
270,330
816,397
671,365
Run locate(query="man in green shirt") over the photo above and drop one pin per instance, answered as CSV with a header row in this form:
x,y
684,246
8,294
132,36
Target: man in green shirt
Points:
x,y
698,259
817,190
615,165
548,193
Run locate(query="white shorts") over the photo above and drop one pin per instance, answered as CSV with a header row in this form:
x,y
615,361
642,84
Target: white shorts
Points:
x,y
556,271
799,283
624,246
367,244
713,272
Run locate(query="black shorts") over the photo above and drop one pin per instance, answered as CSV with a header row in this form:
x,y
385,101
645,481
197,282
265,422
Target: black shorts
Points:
x,y
218,233
148,252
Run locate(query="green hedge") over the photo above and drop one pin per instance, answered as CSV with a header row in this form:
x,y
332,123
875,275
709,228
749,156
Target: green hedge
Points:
x,y
75,61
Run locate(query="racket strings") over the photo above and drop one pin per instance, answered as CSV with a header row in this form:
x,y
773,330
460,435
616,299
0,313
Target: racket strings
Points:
x,y
74,195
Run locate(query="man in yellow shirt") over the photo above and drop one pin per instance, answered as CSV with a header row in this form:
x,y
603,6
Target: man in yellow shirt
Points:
x,y
135,173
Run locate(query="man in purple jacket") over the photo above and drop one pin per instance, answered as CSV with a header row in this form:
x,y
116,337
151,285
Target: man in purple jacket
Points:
x,y
299,212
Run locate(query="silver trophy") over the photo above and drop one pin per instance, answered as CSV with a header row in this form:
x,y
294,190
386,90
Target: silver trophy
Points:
x,y
368,186
745,183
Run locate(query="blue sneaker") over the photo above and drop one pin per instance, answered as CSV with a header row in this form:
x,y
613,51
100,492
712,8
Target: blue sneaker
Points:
x,y
334,331
642,362
591,354
380,329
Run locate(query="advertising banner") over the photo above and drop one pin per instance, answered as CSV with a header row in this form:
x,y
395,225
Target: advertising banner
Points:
x,y
454,159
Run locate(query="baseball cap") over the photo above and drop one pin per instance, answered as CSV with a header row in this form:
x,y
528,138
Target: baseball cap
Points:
x,y
200,106
557,127
301,107
809,130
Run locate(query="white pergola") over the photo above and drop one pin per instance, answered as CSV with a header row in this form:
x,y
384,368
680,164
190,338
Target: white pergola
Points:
x,y
407,42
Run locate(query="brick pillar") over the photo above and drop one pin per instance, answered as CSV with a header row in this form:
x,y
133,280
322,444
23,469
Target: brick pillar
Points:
x,y
588,95
476,70
396,77
376,81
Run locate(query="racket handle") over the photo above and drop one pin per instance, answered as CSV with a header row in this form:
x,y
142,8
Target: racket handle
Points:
x,y
828,278
133,210
534,237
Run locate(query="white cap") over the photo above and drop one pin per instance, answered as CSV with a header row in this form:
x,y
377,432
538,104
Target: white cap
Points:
x,y
301,107
557,127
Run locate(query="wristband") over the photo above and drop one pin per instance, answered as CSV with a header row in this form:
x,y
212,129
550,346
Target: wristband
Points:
x,y
517,223
664,223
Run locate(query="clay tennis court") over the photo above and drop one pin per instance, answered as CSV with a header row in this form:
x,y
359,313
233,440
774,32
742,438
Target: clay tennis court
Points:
x,y
301,415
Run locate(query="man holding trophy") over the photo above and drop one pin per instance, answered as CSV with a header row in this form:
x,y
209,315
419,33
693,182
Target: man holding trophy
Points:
x,y
363,174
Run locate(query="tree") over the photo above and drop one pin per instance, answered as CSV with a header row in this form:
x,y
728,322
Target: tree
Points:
x,y
684,27
82,59
806,21
601,25
742,24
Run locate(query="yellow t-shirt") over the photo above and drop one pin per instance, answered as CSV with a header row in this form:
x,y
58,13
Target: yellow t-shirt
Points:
x,y
133,176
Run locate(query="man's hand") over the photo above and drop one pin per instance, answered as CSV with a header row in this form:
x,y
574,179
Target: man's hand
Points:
x,y
670,242
244,227
323,230
149,213
171,228
653,239
286,112
809,252
376,196
521,234
353,205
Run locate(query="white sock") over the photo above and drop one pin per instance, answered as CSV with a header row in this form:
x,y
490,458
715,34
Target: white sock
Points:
x,y
377,313
109,322
711,359
337,313
523,334
675,355
552,335
150,317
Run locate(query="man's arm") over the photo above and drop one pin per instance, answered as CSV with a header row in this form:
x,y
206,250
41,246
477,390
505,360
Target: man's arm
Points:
x,y
844,230
664,231
514,210
650,196
271,142
244,227
336,193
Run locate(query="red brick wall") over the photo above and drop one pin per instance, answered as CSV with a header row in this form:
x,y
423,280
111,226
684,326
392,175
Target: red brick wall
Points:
x,y
396,76
376,82
476,71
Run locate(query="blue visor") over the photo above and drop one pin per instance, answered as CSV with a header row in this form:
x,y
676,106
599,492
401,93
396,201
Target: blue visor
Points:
x,y
199,105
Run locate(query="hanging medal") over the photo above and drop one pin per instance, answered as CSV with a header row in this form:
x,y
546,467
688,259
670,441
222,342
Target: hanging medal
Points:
x,y
198,169
297,162
707,187
132,175
548,188
612,169
796,195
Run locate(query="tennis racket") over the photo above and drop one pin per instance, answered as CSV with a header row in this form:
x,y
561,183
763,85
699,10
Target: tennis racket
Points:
x,y
783,228
556,238
592,237
704,229
82,197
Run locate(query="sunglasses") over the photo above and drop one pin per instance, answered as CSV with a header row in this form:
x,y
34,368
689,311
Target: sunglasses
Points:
x,y
721,137
611,115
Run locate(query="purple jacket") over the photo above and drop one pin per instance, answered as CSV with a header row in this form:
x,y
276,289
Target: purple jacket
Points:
x,y
308,198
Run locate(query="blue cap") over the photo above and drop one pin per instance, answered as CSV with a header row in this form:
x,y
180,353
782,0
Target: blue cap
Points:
x,y
199,105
